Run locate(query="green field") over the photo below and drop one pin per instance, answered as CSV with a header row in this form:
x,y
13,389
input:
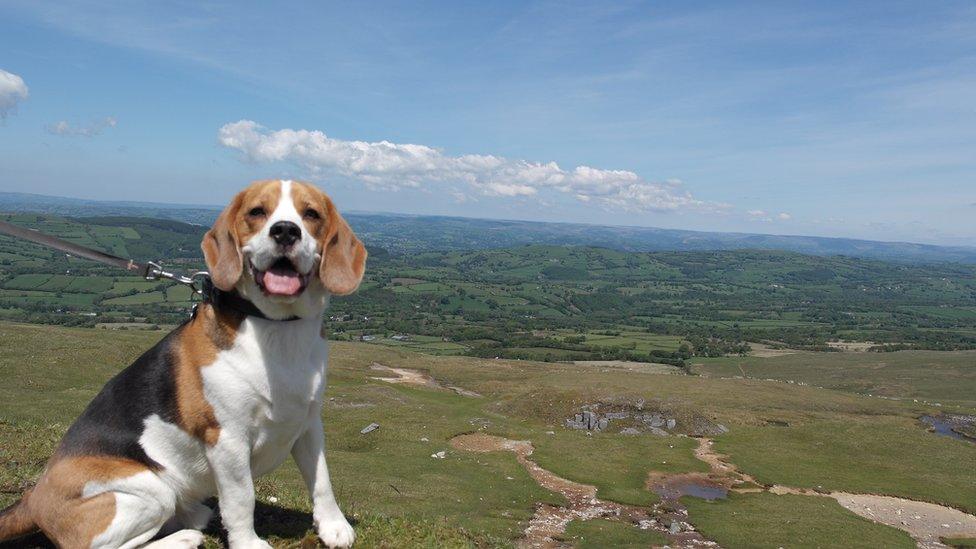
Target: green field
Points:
x,y
534,302
917,375
400,496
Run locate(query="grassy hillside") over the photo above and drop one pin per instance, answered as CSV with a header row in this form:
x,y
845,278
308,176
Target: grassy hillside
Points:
x,y
531,302
780,433
936,377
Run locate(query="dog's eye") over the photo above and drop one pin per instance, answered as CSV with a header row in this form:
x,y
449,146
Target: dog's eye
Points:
x,y
256,212
311,214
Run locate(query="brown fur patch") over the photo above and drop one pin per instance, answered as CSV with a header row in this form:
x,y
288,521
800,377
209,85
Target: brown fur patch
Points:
x,y
343,255
197,346
56,502
234,227
261,194
308,199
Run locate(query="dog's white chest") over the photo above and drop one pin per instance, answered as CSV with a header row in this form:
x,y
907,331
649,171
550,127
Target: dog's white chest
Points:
x,y
267,385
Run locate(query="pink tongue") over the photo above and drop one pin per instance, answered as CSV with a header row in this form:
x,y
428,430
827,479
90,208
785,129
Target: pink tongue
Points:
x,y
286,283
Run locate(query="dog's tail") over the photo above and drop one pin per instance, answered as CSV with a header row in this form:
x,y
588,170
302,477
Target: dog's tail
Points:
x,y
15,521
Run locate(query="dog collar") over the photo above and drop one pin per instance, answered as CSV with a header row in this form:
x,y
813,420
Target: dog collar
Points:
x,y
234,301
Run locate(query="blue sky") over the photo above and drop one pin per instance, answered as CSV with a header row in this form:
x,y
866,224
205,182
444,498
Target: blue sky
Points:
x,y
828,118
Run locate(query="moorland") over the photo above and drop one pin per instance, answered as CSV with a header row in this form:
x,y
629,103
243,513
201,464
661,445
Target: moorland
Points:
x,y
752,398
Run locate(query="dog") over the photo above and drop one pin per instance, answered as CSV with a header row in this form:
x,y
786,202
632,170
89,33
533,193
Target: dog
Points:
x,y
220,401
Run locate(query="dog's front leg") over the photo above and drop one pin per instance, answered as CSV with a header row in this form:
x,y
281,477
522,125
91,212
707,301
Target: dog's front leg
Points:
x,y
309,453
230,461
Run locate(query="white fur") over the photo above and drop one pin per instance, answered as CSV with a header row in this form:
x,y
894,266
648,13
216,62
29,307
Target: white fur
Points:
x,y
143,503
266,392
262,251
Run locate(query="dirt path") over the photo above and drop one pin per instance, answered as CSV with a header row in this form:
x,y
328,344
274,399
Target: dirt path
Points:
x,y
415,377
924,522
550,521
738,481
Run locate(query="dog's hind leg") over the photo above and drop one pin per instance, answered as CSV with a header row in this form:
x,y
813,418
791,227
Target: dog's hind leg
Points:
x,y
183,539
138,519
194,515
189,516
101,502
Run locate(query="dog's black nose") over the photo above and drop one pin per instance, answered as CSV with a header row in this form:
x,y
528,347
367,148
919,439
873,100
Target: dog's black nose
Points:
x,y
285,233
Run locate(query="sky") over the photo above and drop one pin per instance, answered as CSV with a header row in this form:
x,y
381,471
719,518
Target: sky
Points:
x,y
853,119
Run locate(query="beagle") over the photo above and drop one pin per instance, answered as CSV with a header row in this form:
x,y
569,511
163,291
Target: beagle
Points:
x,y
220,401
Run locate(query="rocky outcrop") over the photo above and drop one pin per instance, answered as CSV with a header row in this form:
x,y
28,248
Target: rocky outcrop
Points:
x,y
642,417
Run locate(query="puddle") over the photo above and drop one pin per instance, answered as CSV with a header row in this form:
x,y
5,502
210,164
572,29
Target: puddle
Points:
x,y
949,425
924,522
672,487
550,521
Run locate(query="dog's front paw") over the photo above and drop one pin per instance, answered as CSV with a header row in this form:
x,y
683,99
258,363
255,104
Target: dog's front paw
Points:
x,y
337,533
252,543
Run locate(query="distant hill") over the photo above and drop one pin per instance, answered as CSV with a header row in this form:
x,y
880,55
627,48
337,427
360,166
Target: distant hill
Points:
x,y
411,233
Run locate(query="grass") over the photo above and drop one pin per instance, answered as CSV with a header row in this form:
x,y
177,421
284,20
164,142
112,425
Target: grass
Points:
x,y
889,456
136,299
637,340
616,465
401,497
128,284
601,533
769,521
945,377
27,281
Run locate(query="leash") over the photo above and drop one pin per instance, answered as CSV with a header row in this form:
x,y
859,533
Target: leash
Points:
x,y
199,282
149,270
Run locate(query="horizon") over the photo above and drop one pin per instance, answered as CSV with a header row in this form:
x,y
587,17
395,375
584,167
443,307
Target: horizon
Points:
x,y
218,207
833,121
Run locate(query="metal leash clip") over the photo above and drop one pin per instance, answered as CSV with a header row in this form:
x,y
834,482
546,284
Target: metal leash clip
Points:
x,y
154,271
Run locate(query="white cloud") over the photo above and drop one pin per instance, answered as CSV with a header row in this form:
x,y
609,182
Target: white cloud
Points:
x,y
63,128
13,91
762,215
393,165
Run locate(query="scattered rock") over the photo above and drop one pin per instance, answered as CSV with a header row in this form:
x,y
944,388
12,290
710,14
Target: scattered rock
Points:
x,y
369,428
630,431
656,420
653,417
439,455
590,419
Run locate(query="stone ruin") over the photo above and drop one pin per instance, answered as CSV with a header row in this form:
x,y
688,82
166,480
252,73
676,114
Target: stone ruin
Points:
x,y
634,419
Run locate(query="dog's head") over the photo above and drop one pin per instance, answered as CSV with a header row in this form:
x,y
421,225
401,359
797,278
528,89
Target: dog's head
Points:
x,y
284,246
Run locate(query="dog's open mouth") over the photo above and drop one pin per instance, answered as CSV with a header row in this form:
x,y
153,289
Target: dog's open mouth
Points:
x,y
282,278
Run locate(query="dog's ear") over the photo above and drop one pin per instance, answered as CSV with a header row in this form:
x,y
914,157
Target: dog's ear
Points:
x,y
222,248
343,256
